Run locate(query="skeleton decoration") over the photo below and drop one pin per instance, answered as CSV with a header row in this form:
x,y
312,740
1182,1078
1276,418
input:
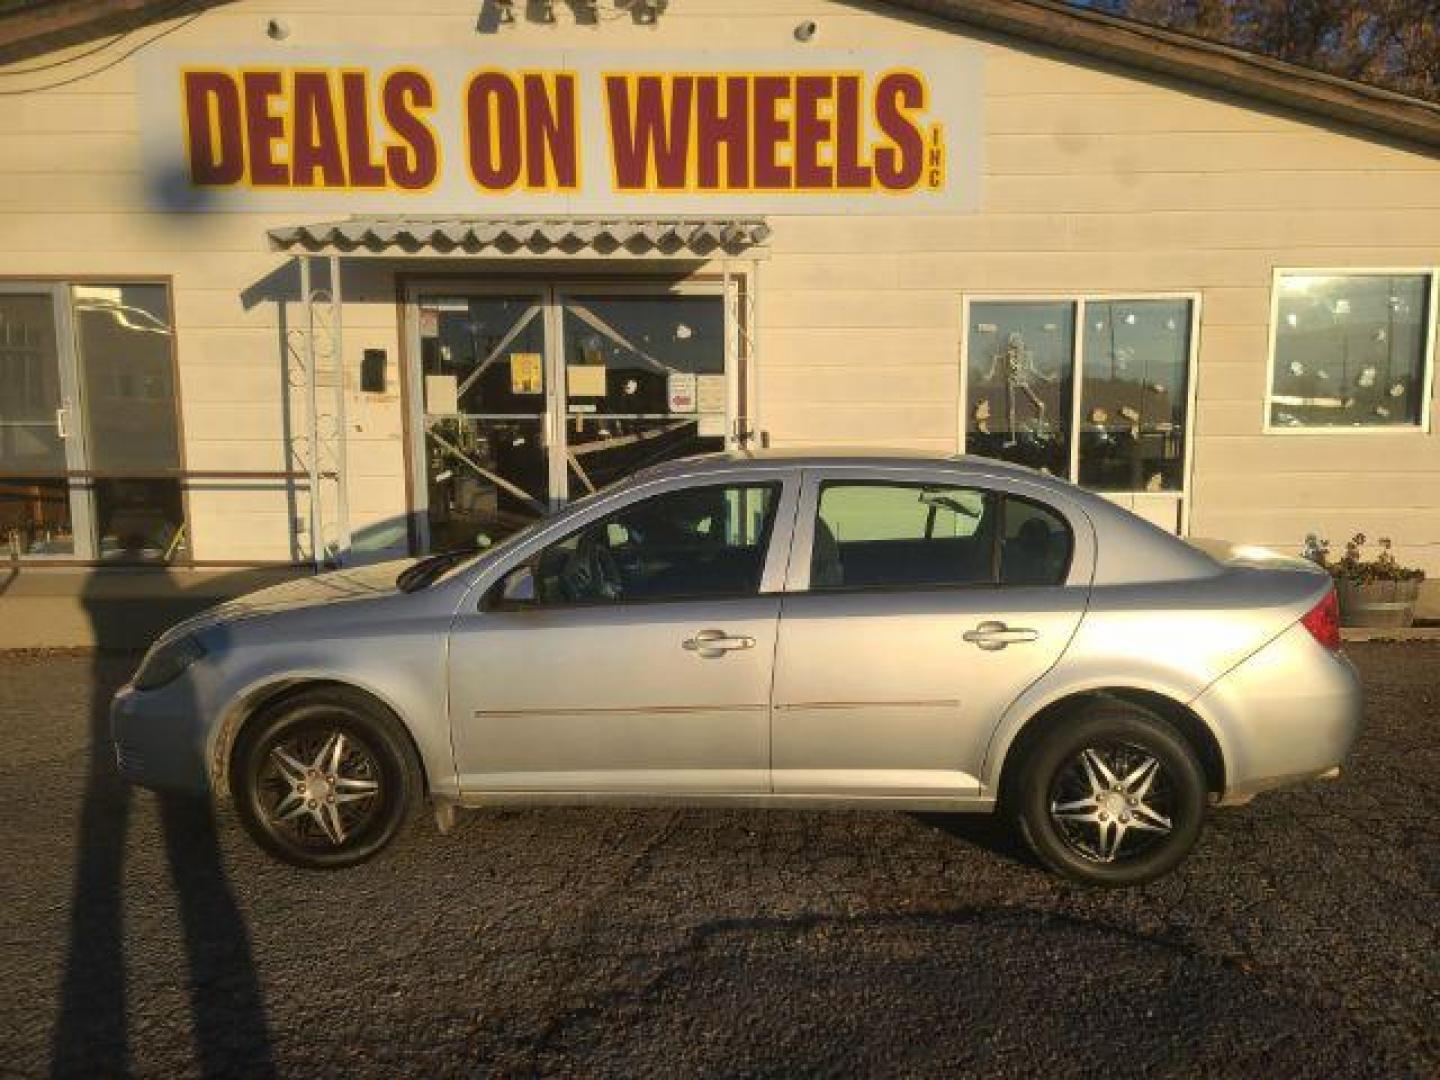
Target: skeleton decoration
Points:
x,y
1017,362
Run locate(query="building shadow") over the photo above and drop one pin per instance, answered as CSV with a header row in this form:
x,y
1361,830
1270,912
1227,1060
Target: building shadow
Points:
x,y
227,1009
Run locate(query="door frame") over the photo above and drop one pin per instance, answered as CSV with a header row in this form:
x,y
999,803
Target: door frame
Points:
x,y
551,289
80,494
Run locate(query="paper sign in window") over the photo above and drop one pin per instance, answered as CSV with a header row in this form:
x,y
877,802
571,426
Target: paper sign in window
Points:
x,y
525,375
710,394
441,394
585,380
680,390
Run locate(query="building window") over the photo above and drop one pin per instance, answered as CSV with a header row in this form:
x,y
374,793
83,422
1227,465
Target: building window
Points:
x,y
1095,390
1352,350
90,465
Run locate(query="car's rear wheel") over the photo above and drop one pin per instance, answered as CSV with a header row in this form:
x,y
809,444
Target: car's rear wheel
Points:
x,y
325,779
1111,796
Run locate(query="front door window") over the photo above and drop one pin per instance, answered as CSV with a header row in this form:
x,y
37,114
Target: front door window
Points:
x,y
533,397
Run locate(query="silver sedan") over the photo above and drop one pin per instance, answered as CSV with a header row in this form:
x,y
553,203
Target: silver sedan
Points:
x,y
775,630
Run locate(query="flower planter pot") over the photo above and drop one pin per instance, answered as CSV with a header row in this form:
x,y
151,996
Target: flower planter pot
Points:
x,y
1377,603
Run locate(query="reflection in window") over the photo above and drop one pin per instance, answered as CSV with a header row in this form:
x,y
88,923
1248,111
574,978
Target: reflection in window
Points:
x,y
30,396
127,376
1133,395
140,520
35,517
1020,376
1349,350
697,542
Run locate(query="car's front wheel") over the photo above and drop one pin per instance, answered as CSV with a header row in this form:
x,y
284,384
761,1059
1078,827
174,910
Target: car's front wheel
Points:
x,y
325,779
1111,796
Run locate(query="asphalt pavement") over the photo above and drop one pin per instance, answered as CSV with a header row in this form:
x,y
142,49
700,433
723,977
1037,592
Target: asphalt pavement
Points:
x,y
145,935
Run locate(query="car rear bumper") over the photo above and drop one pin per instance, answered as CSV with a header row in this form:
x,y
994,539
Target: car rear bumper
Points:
x,y
160,738
1288,714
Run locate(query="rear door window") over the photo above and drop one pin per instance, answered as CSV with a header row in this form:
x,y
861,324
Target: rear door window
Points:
x,y
871,535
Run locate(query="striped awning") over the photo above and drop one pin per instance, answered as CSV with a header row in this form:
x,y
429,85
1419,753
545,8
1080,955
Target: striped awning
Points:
x,y
440,235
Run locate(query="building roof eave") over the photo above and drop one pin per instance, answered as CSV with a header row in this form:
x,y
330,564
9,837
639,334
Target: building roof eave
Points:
x,y
1185,57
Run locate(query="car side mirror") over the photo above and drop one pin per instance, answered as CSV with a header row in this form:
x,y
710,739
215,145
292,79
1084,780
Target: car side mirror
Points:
x,y
517,588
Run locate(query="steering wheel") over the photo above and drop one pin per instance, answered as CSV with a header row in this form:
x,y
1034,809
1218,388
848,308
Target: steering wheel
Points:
x,y
591,573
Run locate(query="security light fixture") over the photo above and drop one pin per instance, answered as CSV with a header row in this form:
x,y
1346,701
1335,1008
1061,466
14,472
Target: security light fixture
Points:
x,y
805,30
277,29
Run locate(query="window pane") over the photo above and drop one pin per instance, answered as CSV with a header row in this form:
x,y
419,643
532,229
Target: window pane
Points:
x,y
487,479
29,384
482,354
140,520
35,517
127,376
1020,374
1036,546
902,536
644,382
1349,350
699,542
1133,395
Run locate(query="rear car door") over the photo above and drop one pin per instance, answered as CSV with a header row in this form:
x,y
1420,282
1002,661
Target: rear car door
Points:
x,y
642,662
918,606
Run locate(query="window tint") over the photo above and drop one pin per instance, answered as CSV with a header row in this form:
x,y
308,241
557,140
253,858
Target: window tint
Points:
x,y
1035,548
870,535
898,535
698,542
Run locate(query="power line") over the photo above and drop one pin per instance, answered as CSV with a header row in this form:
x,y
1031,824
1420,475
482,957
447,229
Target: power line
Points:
x,y
69,59
114,61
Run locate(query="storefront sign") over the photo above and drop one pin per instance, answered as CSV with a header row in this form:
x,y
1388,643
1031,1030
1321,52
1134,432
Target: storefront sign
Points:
x,y
565,132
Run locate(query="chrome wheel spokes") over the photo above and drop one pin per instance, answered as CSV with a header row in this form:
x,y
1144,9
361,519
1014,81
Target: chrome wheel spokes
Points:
x,y
1105,794
326,787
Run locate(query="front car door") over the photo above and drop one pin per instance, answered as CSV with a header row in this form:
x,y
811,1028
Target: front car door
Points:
x,y
642,660
919,604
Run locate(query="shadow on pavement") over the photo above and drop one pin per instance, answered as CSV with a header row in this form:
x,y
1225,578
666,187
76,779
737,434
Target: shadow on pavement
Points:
x,y
228,1019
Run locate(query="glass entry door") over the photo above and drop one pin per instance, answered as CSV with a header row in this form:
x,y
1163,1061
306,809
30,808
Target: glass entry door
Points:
x,y
530,396
40,438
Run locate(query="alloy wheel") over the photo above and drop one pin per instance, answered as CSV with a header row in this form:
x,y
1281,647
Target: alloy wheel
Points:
x,y
1112,802
321,787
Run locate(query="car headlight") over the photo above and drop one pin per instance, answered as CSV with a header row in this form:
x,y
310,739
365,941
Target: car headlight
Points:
x,y
164,663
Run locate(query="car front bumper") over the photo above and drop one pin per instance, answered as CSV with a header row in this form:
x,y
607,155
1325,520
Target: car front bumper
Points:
x,y
161,738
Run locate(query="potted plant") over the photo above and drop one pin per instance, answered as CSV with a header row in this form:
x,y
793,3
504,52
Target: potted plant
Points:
x,y
1376,592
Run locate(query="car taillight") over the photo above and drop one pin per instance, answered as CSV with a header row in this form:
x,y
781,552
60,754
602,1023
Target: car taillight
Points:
x,y
1323,621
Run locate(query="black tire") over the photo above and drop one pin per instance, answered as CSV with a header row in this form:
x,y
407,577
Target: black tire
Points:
x,y
375,756
1056,805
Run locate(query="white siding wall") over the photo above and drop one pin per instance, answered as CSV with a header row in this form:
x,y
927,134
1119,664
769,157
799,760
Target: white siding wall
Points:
x,y
1095,179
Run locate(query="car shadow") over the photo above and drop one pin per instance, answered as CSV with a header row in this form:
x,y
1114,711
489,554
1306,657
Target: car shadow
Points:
x,y
990,832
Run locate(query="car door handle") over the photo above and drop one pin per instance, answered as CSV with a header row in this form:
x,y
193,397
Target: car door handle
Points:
x,y
712,643
996,635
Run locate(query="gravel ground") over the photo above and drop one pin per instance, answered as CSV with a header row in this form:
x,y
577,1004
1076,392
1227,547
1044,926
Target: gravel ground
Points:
x,y
143,935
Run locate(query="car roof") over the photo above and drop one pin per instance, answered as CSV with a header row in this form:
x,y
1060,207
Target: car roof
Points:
x,y
802,457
